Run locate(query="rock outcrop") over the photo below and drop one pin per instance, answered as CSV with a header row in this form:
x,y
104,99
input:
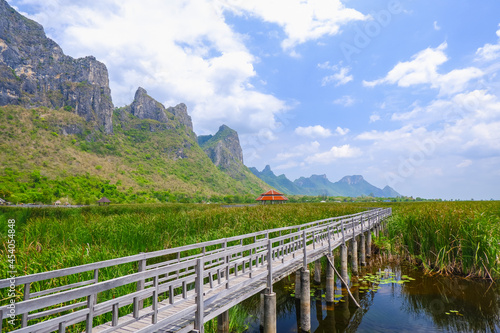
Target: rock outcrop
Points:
x,y
223,148
34,71
146,107
180,112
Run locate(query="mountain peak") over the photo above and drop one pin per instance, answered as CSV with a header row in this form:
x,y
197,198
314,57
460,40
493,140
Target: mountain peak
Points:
x,y
352,180
223,148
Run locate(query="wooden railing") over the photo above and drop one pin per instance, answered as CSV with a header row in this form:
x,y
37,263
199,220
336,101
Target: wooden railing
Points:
x,y
186,277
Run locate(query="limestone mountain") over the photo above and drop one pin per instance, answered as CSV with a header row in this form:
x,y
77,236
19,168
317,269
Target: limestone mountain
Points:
x,y
349,186
60,135
34,71
280,182
146,107
225,151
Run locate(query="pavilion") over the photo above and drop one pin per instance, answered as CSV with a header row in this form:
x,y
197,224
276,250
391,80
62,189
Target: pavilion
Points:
x,y
272,197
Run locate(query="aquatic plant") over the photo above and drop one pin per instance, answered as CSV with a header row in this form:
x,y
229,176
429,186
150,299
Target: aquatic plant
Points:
x,y
450,237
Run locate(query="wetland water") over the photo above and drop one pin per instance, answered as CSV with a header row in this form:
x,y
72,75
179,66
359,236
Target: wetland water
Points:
x,y
393,298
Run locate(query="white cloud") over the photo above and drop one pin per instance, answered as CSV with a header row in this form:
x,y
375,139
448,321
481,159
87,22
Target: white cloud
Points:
x,y
345,101
374,117
301,21
489,52
317,131
335,153
436,26
422,69
179,51
341,76
342,131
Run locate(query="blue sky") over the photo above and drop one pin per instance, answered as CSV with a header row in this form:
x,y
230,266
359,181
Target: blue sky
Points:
x,y
405,93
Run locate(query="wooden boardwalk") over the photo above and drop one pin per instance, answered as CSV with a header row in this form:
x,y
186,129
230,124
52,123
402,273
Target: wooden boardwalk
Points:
x,y
179,289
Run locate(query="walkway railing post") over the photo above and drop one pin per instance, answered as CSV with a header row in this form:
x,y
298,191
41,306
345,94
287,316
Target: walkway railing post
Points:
x,y
304,240
200,309
269,296
342,228
269,266
139,304
24,320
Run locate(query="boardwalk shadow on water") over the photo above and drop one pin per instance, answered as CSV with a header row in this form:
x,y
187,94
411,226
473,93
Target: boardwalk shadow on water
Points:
x,y
393,298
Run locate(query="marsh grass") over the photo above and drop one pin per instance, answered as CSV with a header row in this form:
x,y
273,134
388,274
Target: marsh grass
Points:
x,y
54,238
450,237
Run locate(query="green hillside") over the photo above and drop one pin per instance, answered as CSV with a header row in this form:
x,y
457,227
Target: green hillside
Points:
x,y
49,155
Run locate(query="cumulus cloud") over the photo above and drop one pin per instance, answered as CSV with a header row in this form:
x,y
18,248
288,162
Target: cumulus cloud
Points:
x,y
317,131
423,69
489,52
180,51
374,117
341,76
341,131
466,125
301,21
335,153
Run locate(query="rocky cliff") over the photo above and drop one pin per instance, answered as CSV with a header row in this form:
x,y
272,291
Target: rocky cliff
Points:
x,y
223,148
34,71
146,107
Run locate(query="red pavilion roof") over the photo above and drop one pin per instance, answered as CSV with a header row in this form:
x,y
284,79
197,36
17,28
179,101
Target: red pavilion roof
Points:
x,y
272,195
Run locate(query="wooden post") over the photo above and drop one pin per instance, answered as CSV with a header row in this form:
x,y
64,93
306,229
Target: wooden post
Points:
x,y
200,308
24,320
115,313
223,322
269,312
139,303
354,258
362,250
297,284
369,244
305,301
304,240
343,263
317,272
90,315
269,266
330,281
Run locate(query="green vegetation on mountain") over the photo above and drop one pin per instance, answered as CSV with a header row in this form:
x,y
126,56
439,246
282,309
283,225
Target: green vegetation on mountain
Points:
x,y
144,161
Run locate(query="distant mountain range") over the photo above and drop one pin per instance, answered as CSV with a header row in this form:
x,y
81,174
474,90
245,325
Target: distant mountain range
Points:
x,y
349,186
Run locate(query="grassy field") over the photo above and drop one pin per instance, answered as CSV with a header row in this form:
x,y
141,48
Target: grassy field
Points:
x,y
54,238
449,237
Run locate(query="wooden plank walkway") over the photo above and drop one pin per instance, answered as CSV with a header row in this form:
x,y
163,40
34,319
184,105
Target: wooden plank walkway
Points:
x,y
193,285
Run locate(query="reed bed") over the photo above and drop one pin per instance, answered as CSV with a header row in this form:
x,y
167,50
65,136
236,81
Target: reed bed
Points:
x,y
54,238
461,238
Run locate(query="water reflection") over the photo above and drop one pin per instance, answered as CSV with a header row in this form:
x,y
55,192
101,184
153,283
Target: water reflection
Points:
x,y
389,304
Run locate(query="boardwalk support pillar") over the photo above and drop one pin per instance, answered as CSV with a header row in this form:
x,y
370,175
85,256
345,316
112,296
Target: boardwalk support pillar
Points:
x,y
343,263
297,284
369,244
317,272
362,250
269,312
354,257
330,282
223,322
305,301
